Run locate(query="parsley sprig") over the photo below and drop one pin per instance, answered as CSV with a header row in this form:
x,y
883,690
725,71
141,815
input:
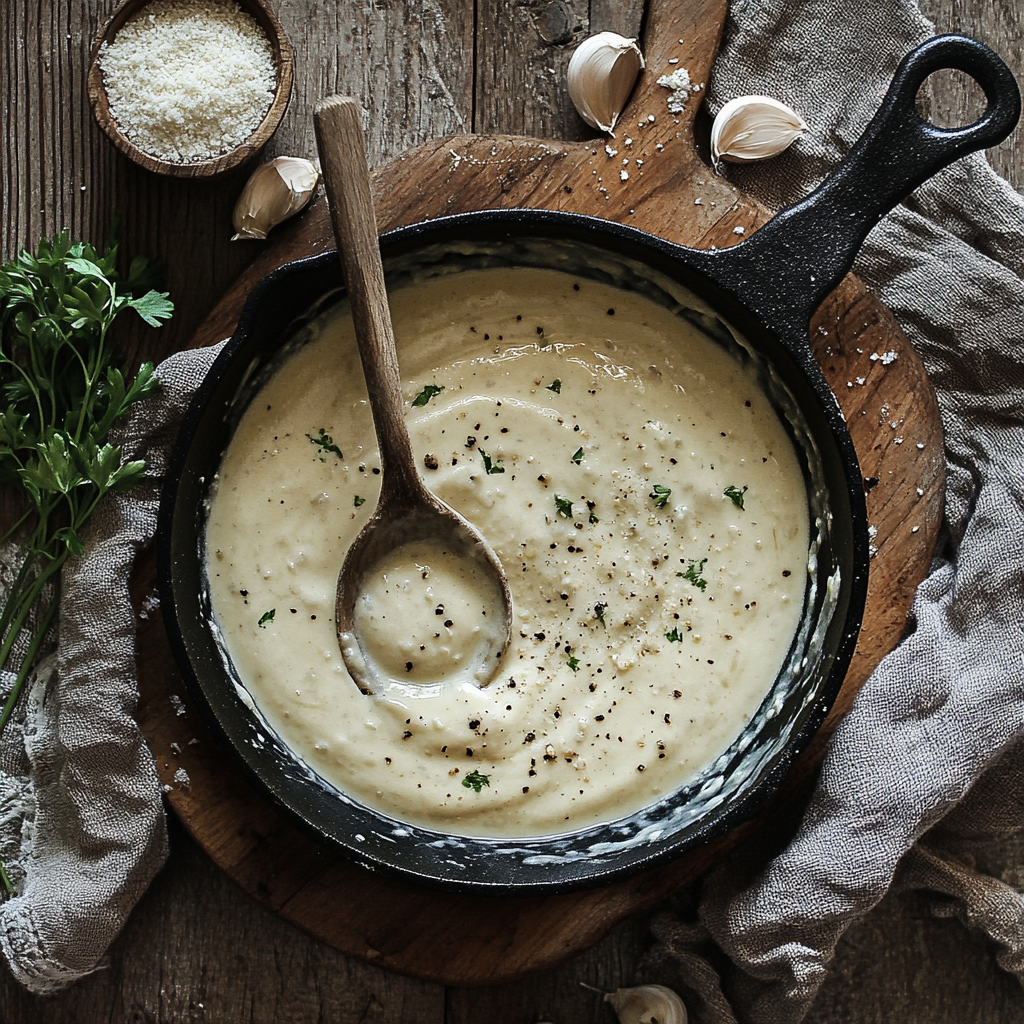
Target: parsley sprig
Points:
x,y
62,387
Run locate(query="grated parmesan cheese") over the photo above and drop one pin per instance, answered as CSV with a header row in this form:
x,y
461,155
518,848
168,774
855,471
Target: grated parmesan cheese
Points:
x,y
189,80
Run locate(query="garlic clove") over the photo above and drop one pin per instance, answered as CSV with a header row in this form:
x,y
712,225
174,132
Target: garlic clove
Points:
x,y
274,192
752,128
601,75
647,1004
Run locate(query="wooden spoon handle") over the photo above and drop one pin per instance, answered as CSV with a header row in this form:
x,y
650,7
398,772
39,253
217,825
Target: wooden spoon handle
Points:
x,y
339,137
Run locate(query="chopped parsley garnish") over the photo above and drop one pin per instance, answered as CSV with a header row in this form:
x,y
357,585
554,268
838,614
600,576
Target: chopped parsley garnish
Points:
x,y
592,518
489,465
660,495
265,618
577,456
326,444
357,501
674,635
574,662
475,781
735,495
556,386
427,394
599,610
693,573
564,507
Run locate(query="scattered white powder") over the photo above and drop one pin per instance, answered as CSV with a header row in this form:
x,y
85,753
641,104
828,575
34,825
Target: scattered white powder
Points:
x,y
679,84
189,80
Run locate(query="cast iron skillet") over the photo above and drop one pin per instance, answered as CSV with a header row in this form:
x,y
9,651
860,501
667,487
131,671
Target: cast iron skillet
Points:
x,y
758,297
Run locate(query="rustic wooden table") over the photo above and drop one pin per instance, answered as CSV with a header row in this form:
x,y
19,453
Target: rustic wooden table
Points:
x,y
197,948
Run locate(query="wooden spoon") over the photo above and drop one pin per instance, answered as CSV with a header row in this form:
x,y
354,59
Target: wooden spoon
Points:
x,y
406,510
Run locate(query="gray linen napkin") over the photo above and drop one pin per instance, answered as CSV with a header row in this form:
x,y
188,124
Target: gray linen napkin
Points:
x,y
82,830
947,705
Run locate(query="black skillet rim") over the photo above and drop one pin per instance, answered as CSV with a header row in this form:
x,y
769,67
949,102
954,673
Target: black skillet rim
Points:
x,y
568,875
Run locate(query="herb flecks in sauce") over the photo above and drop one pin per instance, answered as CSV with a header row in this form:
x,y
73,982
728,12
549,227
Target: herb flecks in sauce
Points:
x,y
693,573
325,443
577,456
490,466
476,781
428,392
556,386
660,495
266,617
357,501
563,506
735,495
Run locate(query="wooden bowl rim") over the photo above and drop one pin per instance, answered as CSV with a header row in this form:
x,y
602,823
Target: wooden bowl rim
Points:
x,y
284,63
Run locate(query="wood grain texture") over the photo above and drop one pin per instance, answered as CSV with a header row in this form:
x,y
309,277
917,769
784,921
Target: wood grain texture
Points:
x,y
669,191
198,948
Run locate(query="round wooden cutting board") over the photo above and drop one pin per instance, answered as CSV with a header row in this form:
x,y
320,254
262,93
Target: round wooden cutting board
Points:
x,y
883,391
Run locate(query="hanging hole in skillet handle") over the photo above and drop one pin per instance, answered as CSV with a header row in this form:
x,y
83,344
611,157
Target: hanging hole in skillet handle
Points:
x,y
978,63
785,270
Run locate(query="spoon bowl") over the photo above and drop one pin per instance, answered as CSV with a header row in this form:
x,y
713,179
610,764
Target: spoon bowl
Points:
x,y
450,553
453,556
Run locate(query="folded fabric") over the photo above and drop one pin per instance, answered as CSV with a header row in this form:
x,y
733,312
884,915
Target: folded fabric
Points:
x,y
82,828
948,703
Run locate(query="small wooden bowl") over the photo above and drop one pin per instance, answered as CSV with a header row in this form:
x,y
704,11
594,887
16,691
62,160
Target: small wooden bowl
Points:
x,y
284,65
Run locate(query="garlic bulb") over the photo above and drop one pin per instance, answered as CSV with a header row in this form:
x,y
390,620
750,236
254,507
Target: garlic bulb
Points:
x,y
601,75
274,192
647,1004
753,128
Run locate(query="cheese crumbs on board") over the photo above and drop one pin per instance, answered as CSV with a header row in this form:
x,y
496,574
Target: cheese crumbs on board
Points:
x,y
189,80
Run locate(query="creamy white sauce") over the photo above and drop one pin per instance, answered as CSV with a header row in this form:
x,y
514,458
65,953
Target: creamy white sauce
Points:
x,y
651,612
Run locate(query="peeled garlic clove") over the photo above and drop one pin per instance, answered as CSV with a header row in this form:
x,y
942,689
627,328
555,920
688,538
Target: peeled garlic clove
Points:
x,y
601,75
753,128
274,192
647,1004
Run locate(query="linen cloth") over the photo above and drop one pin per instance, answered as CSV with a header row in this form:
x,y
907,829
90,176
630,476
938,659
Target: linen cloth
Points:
x,y
82,828
81,825
894,805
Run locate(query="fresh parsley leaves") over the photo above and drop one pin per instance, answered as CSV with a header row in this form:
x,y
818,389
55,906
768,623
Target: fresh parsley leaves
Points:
x,y
427,394
556,386
675,635
357,501
577,456
693,574
325,443
490,466
266,617
62,387
735,495
476,781
563,507
574,662
660,495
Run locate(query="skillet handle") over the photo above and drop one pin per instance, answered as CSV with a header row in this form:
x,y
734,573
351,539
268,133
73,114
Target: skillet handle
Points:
x,y
786,268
